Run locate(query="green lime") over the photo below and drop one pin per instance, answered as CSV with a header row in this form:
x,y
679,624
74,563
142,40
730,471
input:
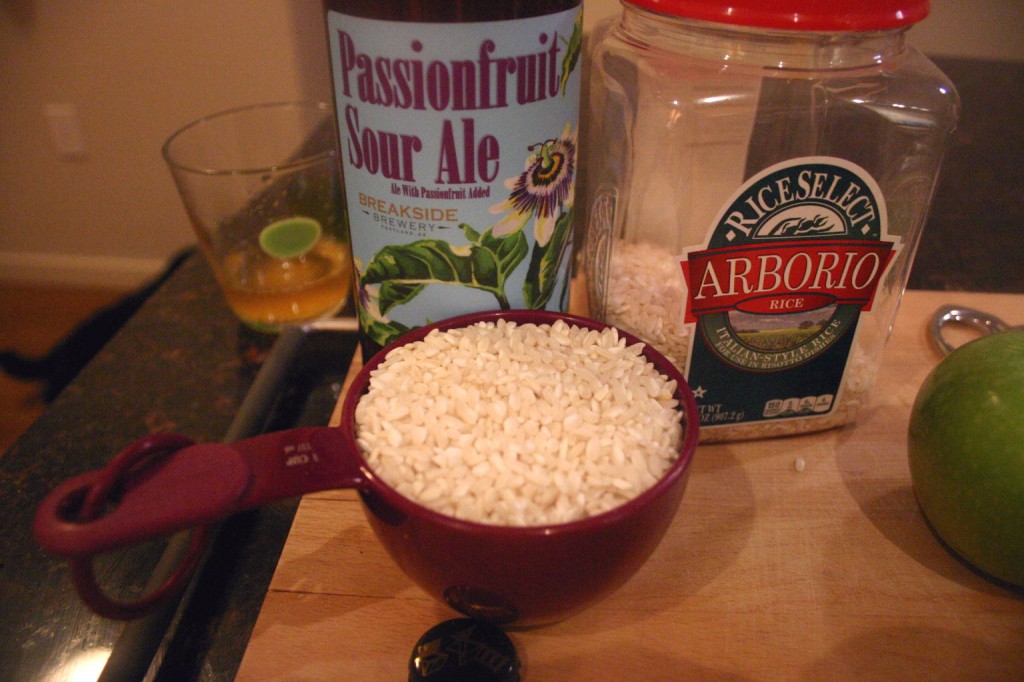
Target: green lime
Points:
x,y
290,238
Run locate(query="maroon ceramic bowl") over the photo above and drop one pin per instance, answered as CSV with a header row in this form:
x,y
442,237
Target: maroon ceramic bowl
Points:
x,y
523,576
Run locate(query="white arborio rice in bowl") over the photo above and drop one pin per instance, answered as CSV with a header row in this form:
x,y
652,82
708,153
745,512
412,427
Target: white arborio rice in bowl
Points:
x,y
519,424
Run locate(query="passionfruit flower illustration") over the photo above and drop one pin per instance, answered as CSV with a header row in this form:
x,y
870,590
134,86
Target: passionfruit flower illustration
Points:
x,y
545,186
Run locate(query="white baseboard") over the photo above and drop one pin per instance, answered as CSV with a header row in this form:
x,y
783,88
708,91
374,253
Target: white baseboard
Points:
x,y
61,269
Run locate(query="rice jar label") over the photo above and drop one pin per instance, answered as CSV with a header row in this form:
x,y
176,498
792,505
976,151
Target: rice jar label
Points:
x,y
458,146
790,265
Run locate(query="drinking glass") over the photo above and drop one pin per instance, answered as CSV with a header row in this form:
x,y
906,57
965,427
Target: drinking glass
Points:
x,y
261,186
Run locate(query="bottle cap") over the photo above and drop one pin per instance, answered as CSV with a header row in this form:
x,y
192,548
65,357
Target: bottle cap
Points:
x,y
797,15
464,650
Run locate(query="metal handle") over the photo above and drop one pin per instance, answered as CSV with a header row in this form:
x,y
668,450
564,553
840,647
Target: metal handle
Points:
x,y
978,319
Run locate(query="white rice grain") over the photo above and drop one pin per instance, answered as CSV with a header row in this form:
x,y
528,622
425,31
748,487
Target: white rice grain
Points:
x,y
526,425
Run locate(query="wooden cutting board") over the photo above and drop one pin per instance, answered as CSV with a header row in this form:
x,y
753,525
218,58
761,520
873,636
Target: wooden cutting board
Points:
x,y
768,572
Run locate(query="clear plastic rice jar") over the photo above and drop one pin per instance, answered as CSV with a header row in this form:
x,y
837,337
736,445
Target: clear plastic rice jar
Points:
x,y
756,177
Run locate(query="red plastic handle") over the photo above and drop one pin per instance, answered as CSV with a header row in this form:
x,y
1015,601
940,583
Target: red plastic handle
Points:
x,y
164,483
94,497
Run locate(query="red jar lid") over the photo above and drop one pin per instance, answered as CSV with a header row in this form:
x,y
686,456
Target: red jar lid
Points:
x,y
797,15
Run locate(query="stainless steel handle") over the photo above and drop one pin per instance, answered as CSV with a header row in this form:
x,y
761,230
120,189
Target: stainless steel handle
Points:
x,y
978,319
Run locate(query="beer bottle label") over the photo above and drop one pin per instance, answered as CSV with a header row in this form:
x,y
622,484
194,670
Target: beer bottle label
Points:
x,y
458,146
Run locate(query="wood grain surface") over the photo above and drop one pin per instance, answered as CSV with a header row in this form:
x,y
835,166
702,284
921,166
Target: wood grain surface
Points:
x,y
768,572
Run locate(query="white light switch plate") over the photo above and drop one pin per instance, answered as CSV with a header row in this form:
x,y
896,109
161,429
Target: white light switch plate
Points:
x,y
65,130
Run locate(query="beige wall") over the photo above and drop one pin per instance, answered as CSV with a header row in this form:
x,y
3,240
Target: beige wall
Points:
x,y
133,72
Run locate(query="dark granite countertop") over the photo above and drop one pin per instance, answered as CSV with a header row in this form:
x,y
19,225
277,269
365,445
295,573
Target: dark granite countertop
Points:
x,y
184,364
